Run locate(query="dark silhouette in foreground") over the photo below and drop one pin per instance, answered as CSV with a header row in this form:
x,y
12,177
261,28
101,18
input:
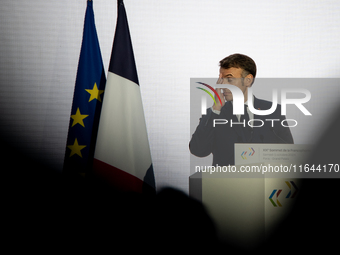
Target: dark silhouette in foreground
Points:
x,y
48,211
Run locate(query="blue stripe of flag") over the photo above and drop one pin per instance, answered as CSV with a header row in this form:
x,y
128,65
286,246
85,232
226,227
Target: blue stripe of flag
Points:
x,y
122,60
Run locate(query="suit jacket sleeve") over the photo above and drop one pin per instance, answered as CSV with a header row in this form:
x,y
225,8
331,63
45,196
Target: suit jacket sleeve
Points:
x,y
201,143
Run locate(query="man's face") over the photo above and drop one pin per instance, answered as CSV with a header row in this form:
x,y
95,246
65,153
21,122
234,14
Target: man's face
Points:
x,y
232,76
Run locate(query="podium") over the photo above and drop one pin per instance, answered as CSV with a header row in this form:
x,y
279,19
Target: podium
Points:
x,y
236,205
246,207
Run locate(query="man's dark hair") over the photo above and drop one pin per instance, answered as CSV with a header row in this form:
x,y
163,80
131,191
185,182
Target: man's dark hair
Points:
x,y
240,61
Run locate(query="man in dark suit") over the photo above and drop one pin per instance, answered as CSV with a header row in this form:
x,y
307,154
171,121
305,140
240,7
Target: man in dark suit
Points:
x,y
219,139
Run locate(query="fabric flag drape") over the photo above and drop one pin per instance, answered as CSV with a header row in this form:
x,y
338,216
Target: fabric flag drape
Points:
x,y
122,154
87,101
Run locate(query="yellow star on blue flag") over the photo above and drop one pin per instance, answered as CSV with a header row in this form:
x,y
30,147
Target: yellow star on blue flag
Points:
x,y
78,118
76,148
95,93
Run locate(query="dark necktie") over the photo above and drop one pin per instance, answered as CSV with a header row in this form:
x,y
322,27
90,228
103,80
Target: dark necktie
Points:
x,y
247,130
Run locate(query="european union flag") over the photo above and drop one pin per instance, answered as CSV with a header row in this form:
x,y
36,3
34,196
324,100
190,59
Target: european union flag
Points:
x,y
87,101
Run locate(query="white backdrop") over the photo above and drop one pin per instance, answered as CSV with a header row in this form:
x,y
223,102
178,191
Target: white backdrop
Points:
x,y
173,41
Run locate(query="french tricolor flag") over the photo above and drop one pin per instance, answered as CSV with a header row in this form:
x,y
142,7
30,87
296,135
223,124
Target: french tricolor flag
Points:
x,y
122,154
